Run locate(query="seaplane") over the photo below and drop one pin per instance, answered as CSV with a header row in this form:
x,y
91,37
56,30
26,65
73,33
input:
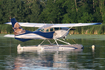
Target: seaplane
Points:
x,y
45,31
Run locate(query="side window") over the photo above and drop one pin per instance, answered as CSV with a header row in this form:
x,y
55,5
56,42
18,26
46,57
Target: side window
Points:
x,y
51,29
47,30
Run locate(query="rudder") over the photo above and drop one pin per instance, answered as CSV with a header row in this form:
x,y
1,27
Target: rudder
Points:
x,y
17,28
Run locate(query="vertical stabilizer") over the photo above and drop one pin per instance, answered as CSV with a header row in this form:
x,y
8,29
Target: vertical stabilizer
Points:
x,y
16,27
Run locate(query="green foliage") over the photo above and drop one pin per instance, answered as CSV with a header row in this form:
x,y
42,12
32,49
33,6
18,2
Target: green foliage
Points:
x,y
57,11
53,11
85,18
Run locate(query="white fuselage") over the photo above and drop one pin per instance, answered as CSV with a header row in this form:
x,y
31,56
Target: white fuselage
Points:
x,y
45,33
30,36
60,34
57,34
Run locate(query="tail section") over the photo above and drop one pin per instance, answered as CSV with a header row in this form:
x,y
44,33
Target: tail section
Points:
x,y
17,28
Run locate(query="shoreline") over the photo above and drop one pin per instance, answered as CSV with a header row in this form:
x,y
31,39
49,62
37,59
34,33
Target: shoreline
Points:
x,y
78,36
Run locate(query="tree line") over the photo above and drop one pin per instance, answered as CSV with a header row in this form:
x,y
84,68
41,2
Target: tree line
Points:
x,y
53,11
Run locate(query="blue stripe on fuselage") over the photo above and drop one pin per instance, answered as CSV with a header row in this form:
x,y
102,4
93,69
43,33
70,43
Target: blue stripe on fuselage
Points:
x,y
46,35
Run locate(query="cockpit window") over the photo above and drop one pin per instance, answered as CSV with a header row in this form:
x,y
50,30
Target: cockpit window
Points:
x,y
42,30
38,29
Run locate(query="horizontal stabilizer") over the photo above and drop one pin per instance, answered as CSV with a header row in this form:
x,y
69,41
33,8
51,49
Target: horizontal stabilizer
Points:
x,y
9,35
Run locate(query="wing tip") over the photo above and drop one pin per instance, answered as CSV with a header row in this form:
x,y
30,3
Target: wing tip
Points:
x,y
98,23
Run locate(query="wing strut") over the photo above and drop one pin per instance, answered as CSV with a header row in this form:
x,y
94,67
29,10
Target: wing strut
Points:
x,y
43,42
61,41
49,41
55,42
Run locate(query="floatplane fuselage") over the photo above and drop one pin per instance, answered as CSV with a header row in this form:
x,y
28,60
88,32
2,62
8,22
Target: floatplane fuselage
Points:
x,y
48,33
45,31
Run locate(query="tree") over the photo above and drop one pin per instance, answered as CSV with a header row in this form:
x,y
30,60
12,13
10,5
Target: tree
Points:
x,y
35,10
70,15
85,10
53,11
96,12
86,18
1,15
48,14
102,9
6,6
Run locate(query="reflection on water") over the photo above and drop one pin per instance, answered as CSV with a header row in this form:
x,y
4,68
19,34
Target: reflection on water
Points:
x,y
44,61
63,60
85,59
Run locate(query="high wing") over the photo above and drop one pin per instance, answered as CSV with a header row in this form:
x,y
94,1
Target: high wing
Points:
x,y
54,25
74,24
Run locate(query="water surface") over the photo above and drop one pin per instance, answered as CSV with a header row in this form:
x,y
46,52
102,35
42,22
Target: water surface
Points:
x,y
56,60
